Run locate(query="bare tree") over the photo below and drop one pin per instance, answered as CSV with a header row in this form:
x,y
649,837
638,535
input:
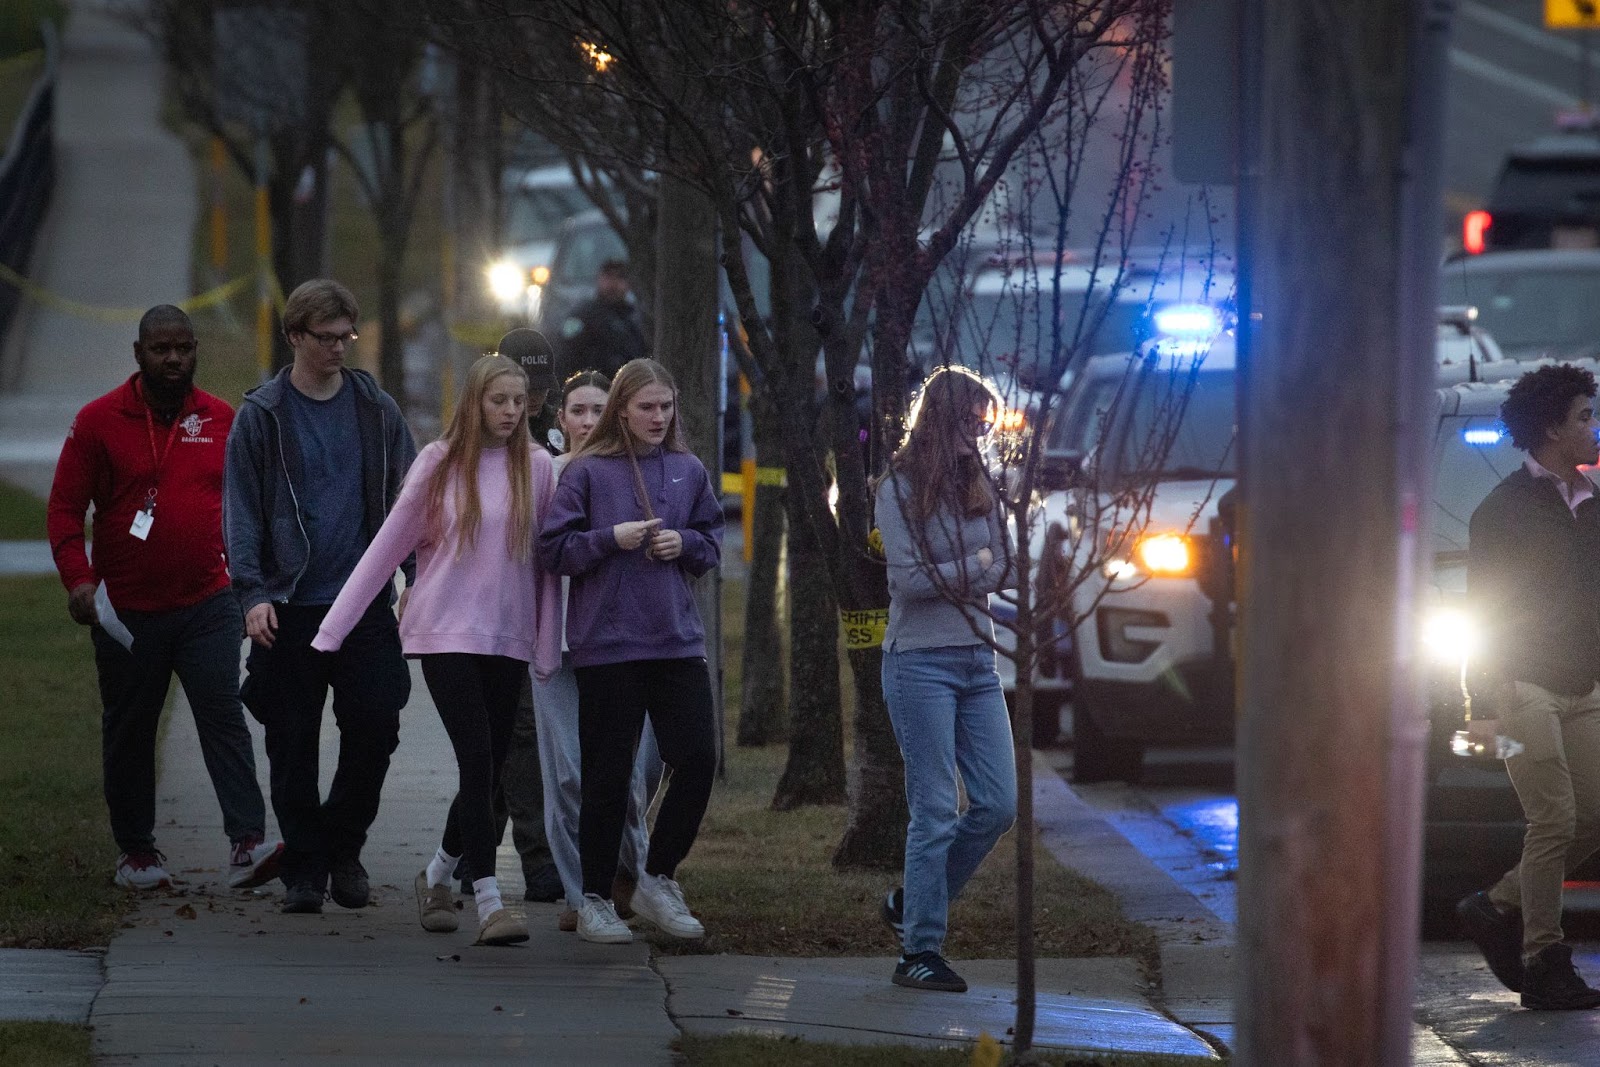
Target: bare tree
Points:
x,y
272,74
767,103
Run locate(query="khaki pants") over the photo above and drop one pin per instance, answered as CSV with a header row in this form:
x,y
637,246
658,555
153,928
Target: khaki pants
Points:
x,y
1557,778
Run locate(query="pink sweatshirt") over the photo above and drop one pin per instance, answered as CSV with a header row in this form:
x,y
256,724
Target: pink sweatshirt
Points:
x,y
481,601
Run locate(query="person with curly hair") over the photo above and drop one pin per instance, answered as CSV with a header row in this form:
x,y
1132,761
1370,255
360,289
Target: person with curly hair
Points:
x,y
1533,575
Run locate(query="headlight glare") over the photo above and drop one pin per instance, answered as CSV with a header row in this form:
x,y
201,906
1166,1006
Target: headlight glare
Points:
x,y
506,280
1449,636
1165,555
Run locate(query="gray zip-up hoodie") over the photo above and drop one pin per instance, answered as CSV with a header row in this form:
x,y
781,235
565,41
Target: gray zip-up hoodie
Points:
x,y
261,519
938,589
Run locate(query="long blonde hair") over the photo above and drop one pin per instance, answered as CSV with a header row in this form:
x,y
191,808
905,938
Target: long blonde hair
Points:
x,y
463,440
611,436
937,471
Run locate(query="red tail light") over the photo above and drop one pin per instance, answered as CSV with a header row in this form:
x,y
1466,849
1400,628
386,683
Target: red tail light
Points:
x,y
1475,231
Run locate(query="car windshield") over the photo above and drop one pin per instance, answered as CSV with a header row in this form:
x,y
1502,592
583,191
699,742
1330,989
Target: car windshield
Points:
x,y
584,250
1548,186
1011,331
537,214
1194,409
1474,454
1546,310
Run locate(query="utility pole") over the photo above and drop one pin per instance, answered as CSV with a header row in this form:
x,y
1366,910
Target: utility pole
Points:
x,y
1343,263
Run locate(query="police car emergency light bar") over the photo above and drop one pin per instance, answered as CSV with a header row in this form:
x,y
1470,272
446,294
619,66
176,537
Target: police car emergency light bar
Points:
x,y
1482,435
1188,320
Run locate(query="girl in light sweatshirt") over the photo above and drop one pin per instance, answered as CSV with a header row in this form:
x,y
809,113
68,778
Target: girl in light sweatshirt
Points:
x,y
945,539
633,521
480,611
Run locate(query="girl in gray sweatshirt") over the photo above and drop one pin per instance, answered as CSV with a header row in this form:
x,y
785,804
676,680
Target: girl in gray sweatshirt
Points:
x,y
944,538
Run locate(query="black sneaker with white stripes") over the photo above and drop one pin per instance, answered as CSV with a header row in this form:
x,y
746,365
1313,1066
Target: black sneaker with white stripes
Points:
x,y
893,911
928,970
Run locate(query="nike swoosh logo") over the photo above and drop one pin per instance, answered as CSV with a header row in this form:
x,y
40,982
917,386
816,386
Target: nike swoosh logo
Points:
x,y
675,481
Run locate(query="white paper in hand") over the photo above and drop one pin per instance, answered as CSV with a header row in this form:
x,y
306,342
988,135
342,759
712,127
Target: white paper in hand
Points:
x,y
106,616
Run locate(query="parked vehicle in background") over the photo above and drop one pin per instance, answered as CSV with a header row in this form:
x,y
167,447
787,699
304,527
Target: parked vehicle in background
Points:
x,y
535,203
1150,659
584,241
1537,304
1004,318
1547,196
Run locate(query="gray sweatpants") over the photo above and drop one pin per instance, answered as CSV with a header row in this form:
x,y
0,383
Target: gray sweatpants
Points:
x,y
555,708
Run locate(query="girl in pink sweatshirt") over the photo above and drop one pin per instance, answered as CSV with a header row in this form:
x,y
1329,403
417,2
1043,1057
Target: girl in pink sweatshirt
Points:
x,y
480,611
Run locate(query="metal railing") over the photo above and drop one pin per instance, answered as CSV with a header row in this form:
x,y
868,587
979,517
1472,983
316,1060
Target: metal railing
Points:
x,y
27,176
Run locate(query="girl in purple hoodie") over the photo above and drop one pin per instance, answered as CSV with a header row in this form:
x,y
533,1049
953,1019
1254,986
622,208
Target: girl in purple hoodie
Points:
x,y
634,520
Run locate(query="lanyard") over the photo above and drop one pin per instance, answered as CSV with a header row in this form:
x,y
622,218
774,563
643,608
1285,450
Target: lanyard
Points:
x,y
160,458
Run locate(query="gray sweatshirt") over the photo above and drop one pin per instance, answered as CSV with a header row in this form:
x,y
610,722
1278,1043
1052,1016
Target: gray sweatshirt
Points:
x,y
938,591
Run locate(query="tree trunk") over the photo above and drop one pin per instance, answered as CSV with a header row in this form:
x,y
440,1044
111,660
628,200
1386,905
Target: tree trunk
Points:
x,y
763,700
688,343
391,346
472,210
814,773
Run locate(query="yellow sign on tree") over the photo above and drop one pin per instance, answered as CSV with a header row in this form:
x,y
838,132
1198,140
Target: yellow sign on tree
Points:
x,y
1571,14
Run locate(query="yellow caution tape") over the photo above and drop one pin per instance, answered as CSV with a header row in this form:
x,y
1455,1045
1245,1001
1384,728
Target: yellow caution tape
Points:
x,y
864,628
481,335
733,481
45,298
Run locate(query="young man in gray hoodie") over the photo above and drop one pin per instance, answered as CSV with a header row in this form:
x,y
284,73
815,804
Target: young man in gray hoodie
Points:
x,y
315,460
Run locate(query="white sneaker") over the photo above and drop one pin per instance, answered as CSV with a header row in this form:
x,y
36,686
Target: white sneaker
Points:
x,y
253,862
142,870
598,922
660,900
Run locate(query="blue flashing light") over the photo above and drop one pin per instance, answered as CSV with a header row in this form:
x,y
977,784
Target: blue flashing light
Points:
x,y
1188,320
1482,435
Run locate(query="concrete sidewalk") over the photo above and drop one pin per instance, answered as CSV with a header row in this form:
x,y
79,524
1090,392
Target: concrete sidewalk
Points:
x,y
118,236
206,974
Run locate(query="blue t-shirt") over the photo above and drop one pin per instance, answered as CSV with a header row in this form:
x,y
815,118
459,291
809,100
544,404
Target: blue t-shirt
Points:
x,y
330,491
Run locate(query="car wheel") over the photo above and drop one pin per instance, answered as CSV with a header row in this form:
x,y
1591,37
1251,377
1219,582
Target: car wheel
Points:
x,y
1098,758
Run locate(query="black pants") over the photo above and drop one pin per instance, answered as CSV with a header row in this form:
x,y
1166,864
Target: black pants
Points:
x,y
286,688
613,700
519,792
199,643
477,701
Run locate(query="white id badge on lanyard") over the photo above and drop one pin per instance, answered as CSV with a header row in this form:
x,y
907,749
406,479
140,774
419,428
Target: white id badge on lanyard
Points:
x,y
143,519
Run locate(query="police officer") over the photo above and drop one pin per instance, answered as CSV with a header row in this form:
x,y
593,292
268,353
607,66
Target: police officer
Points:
x,y
603,333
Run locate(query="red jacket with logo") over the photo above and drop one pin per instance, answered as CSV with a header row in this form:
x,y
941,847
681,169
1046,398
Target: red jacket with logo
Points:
x,y
108,460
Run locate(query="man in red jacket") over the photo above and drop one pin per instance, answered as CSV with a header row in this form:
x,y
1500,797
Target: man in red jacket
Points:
x,y
149,455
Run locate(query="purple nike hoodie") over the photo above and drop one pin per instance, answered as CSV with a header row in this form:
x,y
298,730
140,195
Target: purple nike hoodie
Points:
x,y
623,606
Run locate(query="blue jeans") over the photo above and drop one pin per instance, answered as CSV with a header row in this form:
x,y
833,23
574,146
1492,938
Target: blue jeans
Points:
x,y
948,713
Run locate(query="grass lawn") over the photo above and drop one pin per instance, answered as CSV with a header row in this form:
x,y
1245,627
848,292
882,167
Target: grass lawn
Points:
x,y
21,515
741,1050
56,889
763,883
44,1045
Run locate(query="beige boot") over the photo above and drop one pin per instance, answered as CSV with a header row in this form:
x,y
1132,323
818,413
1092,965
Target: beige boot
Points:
x,y
436,908
502,928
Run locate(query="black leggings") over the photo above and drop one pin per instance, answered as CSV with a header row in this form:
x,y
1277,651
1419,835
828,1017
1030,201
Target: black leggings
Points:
x,y
477,701
613,700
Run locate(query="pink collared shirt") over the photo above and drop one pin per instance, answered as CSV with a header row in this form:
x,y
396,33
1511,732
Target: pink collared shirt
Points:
x,y
1572,495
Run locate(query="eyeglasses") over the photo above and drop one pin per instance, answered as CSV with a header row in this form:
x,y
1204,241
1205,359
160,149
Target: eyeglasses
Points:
x,y
328,340
162,348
